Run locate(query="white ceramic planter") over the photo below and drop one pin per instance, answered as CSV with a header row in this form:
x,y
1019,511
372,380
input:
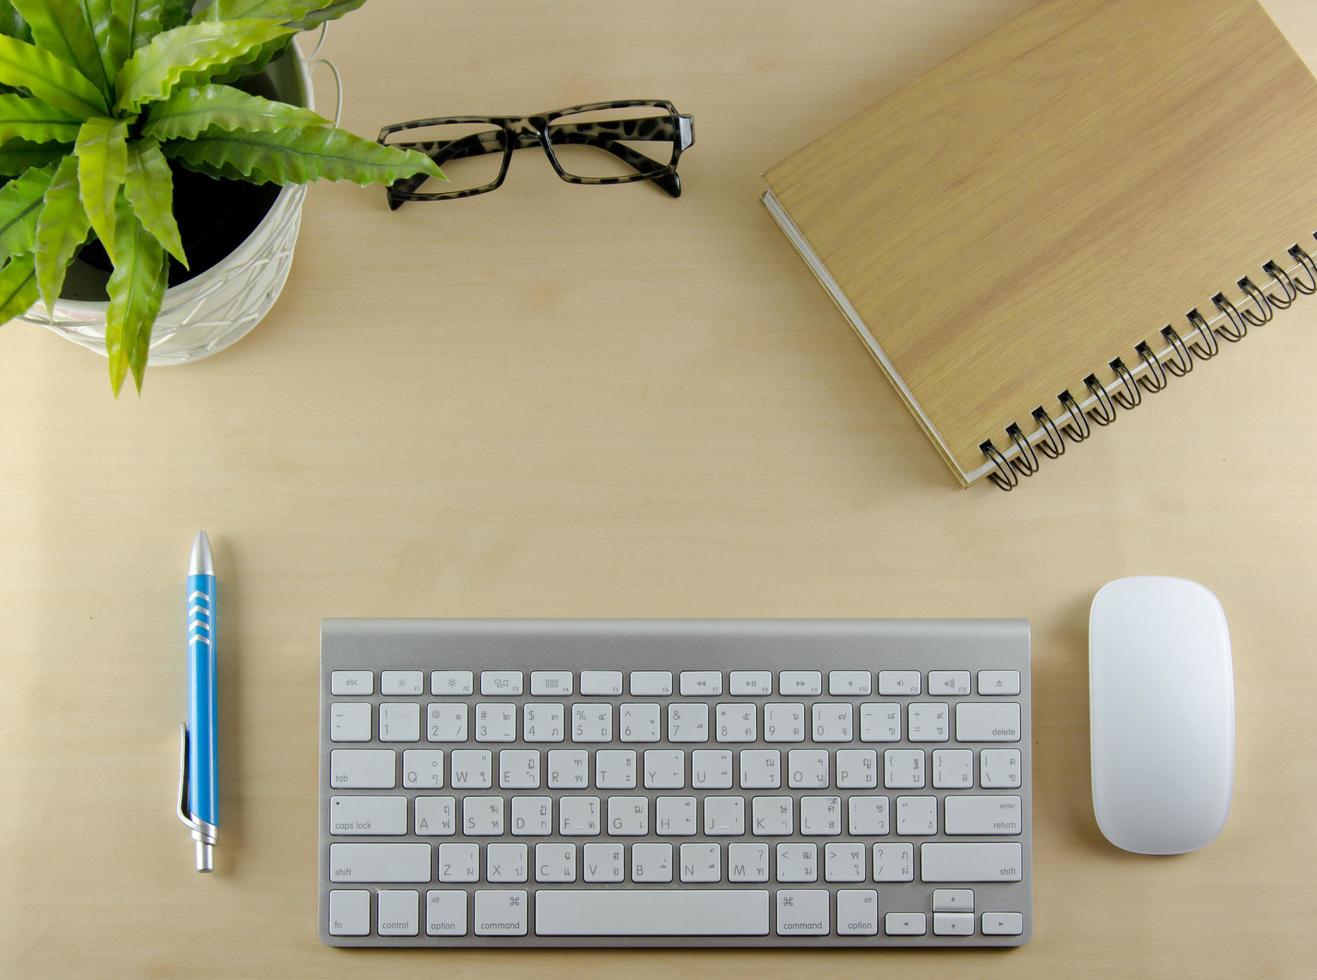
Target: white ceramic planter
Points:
x,y
221,305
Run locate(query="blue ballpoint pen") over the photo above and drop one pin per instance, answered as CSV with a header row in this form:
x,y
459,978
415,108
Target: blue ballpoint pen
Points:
x,y
198,764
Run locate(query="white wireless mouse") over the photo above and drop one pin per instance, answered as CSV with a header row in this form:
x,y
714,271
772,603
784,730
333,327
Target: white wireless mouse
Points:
x,y
1161,714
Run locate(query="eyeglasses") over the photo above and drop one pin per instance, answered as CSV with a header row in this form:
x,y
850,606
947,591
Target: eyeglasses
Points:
x,y
600,143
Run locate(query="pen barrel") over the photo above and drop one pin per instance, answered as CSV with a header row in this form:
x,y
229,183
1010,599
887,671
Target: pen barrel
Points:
x,y
202,634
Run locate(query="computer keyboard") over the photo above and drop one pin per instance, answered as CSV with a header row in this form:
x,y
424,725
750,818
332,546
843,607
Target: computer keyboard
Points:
x,y
505,783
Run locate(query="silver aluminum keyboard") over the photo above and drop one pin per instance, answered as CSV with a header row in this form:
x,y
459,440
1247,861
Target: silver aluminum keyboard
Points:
x,y
506,783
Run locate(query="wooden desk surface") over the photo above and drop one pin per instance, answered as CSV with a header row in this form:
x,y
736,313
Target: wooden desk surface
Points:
x,y
566,401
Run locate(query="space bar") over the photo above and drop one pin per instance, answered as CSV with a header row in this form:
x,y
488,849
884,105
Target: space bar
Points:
x,y
626,912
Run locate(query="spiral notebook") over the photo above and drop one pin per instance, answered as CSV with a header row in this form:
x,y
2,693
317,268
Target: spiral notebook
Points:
x,y
1065,217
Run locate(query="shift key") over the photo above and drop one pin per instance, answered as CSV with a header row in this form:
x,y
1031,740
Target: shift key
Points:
x,y
379,862
971,862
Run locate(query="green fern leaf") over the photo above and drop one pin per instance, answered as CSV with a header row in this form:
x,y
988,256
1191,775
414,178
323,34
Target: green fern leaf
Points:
x,y
142,20
61,229
136,289
299,154
191,111
303,14
18,287
66,28
188,54
174,13
26,66
33,120
12,23
102,152
20,156
20,207
150,190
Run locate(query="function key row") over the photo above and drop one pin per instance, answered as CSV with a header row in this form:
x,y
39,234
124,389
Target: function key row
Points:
x,y
658,683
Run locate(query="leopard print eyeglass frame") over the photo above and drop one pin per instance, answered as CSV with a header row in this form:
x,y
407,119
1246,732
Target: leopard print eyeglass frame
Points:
x,y
598,143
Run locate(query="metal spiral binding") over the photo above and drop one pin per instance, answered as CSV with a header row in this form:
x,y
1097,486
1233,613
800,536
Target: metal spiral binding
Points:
x,y
1018,457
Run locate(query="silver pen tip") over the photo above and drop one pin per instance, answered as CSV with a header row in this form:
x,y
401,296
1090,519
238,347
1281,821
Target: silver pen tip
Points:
x,y
201,562
205,857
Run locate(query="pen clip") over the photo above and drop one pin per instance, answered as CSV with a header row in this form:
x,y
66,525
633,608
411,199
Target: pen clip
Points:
x,y
202,833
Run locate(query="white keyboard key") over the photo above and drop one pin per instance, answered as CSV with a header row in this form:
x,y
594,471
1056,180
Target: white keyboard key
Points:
x,y
857,769
832,722
802,912
423,768
399,912
501,913
701,863
470,769
928,721
905,924
979,721
446,722
349,909
688,723
400,722
379,862
711,769
983,815
750,683
555,862
603,862
996,683
784,721
532,816
665,769
735,723
496,722
893,862
797,863
551,683
615,769
1002,924
459,862
905,769
953,768
820,816
800,683
953,900
408,683
640,722
543,722
349,722
569,769
674,816
850,683
375,816
701,683
651,683
761,769
772,816
970,862
363,768
867,816
724,816
578,816
628,816
592,722
880,722
601,683
505,864
916,816
953,924
999,768
500,683
349,682
482,816
844,862
747,862
635,912
436,816
948,682
519,769
857,912
451,684
445,913
650,864
808,768
898,682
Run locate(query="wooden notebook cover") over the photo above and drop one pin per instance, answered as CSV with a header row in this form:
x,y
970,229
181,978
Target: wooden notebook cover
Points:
x,y
1056,193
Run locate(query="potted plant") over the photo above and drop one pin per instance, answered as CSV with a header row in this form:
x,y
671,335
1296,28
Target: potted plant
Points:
x,y
136,140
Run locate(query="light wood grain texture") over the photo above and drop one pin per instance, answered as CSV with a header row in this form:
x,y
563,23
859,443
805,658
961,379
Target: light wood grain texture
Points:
x,y
1056,194
574,401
